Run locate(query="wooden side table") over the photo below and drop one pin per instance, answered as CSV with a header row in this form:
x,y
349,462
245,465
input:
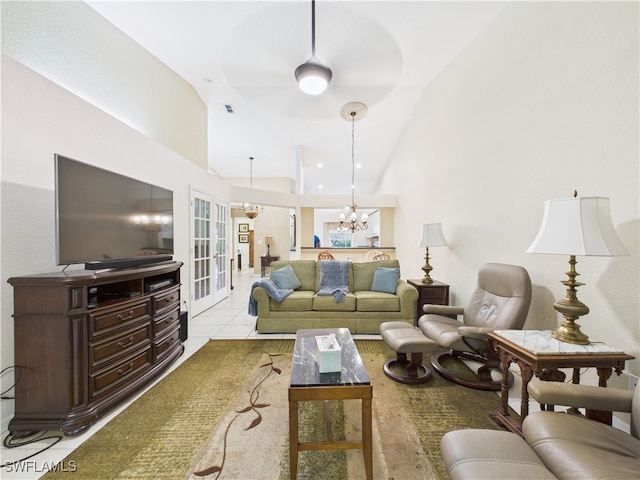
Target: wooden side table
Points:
x,y
436,293
265,261
537,353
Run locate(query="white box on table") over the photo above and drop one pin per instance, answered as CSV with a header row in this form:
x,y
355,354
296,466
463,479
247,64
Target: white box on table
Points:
x,y
328,354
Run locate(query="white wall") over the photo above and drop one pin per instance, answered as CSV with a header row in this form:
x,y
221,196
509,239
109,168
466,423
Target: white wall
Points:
x,y
73,45
39,118
98,97
543,102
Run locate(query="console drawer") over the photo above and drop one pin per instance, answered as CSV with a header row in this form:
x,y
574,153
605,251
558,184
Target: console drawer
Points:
x,y
162,324
105,321
165,301
113,347
121,373
166,344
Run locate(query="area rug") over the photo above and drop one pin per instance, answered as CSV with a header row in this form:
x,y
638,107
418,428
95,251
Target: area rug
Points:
x,y
223,414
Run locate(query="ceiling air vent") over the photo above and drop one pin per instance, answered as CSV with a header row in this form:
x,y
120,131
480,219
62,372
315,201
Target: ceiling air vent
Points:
x,y
229,108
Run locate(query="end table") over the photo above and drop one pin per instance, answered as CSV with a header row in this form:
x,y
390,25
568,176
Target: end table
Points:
x,y
537,353
436,293
265,261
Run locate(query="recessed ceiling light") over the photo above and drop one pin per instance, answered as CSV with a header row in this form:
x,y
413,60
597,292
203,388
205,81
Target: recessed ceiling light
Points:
x,y
320,187
359,165
319,165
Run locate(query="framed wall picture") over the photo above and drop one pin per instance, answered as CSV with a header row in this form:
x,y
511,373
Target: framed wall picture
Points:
x,y
243,238
243,227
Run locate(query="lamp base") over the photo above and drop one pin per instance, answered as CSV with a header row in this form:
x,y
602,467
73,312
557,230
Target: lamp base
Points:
x,y
571,309
427,268
569,332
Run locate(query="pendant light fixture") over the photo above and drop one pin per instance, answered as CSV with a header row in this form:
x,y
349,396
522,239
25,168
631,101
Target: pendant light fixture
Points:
x,y
313,76
349,223
251,210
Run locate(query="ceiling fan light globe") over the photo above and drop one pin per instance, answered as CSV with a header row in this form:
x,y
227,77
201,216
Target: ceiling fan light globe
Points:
x,y
313,85
313,77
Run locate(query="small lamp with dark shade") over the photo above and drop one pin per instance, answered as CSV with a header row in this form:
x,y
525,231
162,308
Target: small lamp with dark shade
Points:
x,y
268,241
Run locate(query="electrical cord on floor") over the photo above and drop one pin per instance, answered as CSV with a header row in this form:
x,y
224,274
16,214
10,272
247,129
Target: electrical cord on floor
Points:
x,y
18,374
11,442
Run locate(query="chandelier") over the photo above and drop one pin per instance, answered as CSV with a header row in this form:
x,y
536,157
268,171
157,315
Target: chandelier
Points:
x,y
349,223
251,210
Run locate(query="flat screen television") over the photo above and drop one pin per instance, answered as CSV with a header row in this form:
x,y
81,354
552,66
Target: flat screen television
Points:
x,y
108,220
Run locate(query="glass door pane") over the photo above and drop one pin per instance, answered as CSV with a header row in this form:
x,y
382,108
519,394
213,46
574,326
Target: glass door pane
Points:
x,y
201,281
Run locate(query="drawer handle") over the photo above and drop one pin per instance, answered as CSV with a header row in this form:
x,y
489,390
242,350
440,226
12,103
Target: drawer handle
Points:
x,y
121,344
124,372
170,299
128,317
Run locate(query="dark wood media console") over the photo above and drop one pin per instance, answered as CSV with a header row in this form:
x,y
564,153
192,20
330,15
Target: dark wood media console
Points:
x,y
87,340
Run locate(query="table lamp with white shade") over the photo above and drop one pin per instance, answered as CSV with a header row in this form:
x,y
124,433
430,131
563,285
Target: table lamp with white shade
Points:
x,y
576,226
431,237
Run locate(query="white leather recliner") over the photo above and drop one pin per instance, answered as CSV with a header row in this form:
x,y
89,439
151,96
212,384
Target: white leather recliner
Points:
x,y
500,301
554,445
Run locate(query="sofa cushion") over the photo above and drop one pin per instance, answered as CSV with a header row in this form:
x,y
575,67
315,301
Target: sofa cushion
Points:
x,y
285,278
328,303
377,302
575,447
363,273
298,301
385,280
305,270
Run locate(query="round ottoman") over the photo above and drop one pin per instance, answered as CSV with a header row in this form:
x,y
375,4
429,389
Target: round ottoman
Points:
x,y
405,339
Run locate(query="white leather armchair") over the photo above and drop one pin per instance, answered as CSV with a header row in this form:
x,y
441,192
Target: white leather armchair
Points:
x,y
500,301
554,444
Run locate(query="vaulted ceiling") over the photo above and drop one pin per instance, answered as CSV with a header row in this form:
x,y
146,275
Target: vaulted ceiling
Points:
x,y
244,53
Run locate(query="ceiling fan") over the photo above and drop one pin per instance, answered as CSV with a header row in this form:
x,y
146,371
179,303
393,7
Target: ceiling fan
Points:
x,y
313,76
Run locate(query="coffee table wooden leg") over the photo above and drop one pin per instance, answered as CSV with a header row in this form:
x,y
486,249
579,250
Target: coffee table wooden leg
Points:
x,y
367,436
293,439
327,420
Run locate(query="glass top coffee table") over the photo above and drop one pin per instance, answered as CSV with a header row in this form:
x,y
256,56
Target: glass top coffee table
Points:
x,y
308,384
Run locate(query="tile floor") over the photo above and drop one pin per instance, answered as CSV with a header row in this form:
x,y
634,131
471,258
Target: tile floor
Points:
x,y
227,319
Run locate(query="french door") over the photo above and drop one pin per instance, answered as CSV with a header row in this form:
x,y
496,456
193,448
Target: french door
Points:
x,y
220,251
209,245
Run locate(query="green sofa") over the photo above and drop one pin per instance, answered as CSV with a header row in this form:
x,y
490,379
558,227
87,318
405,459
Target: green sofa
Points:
x,y
362,311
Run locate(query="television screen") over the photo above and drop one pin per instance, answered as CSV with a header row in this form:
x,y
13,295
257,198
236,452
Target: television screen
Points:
x,y
104,219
